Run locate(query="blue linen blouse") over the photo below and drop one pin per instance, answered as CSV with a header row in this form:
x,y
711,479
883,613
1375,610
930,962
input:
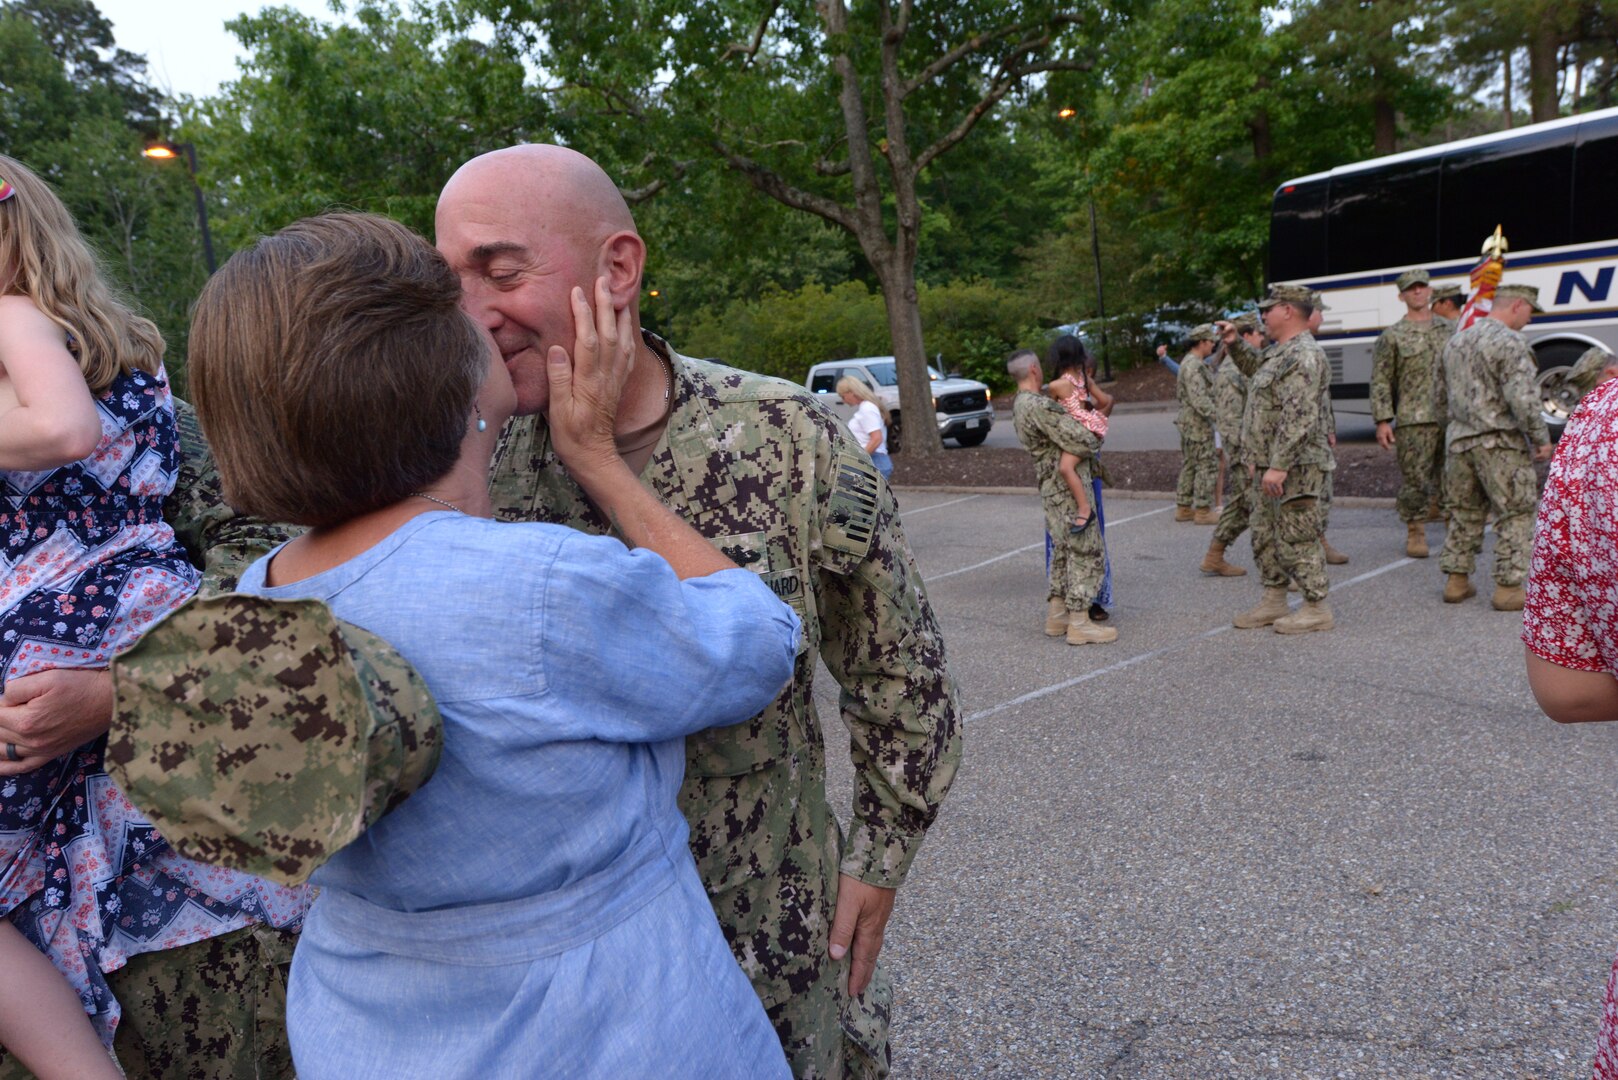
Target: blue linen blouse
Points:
x,y
534,910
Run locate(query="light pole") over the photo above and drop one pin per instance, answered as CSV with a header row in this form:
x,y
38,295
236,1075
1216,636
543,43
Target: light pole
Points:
x,y
1069,113
168,151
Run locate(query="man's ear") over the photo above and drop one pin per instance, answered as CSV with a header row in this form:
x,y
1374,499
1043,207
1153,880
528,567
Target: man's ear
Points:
x,y
623,261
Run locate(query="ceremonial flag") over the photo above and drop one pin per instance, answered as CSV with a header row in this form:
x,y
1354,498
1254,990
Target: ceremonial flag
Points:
x,y
1485,276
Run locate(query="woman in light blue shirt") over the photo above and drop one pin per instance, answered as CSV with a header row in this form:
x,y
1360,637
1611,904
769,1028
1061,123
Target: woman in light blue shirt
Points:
x,y
534,909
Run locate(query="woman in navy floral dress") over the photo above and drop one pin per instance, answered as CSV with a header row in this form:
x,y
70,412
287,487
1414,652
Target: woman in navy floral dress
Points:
x,y
88,452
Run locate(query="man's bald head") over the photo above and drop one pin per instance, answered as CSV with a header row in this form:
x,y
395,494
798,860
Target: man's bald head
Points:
x,y
524,227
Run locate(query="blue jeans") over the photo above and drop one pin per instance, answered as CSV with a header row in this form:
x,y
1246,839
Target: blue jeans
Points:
x,y
883,463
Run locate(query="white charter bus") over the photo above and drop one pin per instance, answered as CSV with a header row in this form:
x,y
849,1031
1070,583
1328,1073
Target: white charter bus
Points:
x,y
1553,187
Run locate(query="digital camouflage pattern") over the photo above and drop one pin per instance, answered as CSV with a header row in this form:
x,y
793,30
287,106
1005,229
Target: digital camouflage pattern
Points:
x,y
284,733
1407,372
1420,451
1586,371
1284,427
211,1010
1478,480
1046,431
1194,389
1286,533
778,484
1492,391
1230,401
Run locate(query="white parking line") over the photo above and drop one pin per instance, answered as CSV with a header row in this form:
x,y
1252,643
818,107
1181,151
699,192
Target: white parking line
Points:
x,y
1141,658
935,506
1031,547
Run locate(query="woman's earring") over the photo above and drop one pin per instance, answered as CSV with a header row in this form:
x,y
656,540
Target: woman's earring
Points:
x,y
483,425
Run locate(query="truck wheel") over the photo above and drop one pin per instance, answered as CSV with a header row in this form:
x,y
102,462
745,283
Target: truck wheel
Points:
x,y
1557,399
893,434
972,438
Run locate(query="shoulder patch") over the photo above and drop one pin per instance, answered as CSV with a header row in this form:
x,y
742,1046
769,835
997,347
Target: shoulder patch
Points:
x,y
851,517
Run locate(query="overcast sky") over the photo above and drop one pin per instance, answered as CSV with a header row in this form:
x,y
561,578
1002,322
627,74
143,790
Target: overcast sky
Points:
x,y
186,45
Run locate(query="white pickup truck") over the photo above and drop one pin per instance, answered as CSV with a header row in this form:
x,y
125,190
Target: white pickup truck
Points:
x,y
960,406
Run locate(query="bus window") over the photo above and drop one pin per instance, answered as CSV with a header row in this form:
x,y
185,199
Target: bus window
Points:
x,y
1595,167
1501,184
1298,231
1383,217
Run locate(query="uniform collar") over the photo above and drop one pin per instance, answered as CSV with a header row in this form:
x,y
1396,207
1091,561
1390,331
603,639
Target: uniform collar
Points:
x,y
700,474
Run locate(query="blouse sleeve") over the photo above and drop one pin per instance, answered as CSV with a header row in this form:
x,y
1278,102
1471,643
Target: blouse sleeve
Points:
x,y
1570,614
640,656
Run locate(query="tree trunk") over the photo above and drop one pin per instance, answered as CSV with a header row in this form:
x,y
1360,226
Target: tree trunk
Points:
x,y
1543,46
1386,138
919,419
1505,91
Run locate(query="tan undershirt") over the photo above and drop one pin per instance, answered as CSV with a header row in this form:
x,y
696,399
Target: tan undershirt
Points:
x,y
636,447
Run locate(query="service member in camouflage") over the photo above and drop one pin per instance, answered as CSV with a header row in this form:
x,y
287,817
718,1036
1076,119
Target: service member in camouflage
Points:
x,y
1194,390
1594,366
1448,300
1078,560
1495,434
1230,403
1284,444
216,1009
777,483
1328,417
1407,388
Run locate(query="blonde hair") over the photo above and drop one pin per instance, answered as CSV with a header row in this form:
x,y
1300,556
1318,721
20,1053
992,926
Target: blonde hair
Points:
x,y
43,257
848,384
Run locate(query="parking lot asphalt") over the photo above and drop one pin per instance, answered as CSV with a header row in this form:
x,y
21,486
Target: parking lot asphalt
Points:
x,y
1205,852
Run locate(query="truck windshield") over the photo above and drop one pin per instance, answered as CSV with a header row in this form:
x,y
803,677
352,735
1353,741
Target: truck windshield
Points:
x,y
885,372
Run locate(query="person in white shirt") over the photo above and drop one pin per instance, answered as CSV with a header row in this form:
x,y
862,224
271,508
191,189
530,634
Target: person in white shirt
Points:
x,y
869,422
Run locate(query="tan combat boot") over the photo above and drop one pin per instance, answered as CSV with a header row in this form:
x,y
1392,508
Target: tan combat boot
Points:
x,y
1314,615
1183,513
1055,617
1205,516
1214,562
1507,598
1081,631
1416,540
1271,608
1436,512
1333,556
1457,588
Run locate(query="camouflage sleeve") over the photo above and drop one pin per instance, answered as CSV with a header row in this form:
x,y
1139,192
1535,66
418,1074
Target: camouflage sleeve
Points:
x,y
881,642
1328,415
264,736
1521,389
1066,433
1300,412
1384,374
1248,359
221,542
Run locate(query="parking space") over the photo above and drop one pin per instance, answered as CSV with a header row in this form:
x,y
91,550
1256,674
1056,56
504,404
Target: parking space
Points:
x,y
1204,852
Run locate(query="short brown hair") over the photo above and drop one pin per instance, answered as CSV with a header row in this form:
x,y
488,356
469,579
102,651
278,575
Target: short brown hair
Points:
x,y
333,370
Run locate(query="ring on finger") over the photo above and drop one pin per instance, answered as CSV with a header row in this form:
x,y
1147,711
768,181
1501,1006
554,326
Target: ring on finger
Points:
x,y
11,752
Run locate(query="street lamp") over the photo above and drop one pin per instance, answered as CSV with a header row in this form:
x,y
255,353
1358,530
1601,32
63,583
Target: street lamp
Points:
x,y
168,151
1068,113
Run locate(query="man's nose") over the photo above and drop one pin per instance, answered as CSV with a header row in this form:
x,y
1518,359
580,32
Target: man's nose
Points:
x,y
476,302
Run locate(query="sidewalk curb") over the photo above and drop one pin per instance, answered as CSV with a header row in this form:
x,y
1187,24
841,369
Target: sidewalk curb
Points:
x,y
1352,502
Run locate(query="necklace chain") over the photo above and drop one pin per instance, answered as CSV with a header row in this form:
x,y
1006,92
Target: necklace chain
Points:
x,y
436,499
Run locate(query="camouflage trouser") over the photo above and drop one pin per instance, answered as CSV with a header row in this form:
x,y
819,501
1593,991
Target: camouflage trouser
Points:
x,y
777,917
1078,563
213,1010
1421,464
1474,481
1323,506
1286,533
1233,519
1198,473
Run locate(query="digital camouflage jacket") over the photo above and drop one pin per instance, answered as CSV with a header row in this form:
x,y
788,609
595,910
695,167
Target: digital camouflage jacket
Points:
x,y
1493,395
1283,425
1046,431
1407,372
1194,390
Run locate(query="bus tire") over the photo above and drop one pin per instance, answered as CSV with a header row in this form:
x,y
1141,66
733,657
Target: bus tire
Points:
x,y
1557,398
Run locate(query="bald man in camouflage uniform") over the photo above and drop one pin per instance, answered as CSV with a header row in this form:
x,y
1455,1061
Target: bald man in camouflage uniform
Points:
x,y
1284,442
1495,434
1230,403
1078,560
1407,387
341,729
1194,390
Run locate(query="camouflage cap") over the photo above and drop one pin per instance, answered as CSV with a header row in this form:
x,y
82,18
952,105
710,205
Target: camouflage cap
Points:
x,y
1447,292
1318,301
1411,278
265,736
1286,294
1246,324
1529,293
1202,332
1587,372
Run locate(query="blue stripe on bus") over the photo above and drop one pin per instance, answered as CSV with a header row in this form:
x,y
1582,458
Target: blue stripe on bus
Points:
x,y
1539,320
1465,268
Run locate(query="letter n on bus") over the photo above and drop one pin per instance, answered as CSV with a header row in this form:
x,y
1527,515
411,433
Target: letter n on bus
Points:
x,y
1573,279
